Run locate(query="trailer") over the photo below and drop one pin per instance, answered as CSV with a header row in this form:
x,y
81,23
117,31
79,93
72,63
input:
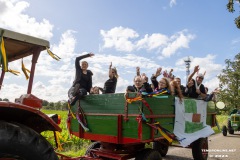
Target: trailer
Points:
x,y
120,126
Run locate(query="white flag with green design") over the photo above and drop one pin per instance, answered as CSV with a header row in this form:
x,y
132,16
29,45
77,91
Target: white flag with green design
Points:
x,y
190,121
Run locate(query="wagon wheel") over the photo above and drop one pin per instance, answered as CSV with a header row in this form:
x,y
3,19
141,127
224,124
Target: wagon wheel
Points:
x,y
230,129
161,146
93,145
200,149
148,154
20,142
224,130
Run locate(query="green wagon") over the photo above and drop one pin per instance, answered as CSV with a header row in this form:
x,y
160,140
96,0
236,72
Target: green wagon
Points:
x,y
120,129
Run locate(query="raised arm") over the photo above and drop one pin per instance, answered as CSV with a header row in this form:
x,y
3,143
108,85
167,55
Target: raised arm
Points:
x,y
154,77
110,71
138,71
77,65
158,72
196,69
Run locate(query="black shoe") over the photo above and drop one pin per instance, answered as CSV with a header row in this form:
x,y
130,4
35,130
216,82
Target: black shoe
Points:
x,y
73,100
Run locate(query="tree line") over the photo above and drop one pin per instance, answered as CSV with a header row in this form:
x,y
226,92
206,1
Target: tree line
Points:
x,y
60,105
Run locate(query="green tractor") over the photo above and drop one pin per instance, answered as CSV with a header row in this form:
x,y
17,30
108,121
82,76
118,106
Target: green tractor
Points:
x,y
233,123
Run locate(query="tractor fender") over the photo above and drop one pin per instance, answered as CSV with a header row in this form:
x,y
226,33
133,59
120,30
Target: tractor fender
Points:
x,y
28,116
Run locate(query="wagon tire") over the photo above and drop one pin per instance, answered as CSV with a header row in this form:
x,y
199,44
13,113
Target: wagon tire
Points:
x,y
224,130
200,149
148,154
21,142
93,145
161,146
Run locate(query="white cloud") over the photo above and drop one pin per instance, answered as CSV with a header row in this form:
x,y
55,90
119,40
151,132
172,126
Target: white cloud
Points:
x,y
178,41
119,38
125,39
153,41
172,2
13,17
212,84
66,46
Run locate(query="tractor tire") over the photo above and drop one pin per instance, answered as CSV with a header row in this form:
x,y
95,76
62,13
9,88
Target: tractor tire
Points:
x,y
21,142
93,145
161,146
230,129
200,149
224,130
148,154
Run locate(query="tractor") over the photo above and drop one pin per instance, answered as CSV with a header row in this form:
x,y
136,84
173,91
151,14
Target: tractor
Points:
x,y
233,123
21,121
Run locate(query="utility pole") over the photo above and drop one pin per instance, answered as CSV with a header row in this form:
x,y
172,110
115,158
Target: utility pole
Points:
x,y
187,63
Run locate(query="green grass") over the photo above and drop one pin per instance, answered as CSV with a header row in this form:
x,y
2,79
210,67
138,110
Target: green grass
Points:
x,y
74,146
222,120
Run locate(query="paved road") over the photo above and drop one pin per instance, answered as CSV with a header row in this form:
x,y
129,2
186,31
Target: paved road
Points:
x,y
220,148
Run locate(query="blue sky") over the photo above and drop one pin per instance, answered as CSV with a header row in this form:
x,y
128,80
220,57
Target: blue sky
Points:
x,y
144,33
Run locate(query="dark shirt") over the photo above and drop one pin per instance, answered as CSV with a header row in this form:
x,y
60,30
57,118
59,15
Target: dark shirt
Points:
x,y
146,87
85,80
192,90
183,90
154,81
110,85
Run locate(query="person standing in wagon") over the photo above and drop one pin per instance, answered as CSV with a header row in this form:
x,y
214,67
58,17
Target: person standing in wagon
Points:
x,y
111,83
197,89
83,80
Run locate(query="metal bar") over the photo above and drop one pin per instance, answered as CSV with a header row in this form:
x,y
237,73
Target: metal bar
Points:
x,y
55,138
34,61
2,77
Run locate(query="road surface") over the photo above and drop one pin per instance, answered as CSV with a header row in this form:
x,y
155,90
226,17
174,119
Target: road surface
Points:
x,y
220,148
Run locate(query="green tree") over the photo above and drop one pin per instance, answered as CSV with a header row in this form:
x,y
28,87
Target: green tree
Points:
x,y
64,105
230,83
45,103
50,106
57,105
230,7
5,99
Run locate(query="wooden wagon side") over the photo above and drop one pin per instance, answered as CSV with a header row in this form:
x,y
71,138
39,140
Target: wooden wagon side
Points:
x,y
109,119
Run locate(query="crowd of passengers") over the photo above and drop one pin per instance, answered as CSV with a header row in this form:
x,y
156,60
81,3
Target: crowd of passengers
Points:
x,y
168,84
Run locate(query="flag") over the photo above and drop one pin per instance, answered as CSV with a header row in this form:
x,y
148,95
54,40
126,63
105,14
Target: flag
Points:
x,y
190,121
3,55
25,70
54,56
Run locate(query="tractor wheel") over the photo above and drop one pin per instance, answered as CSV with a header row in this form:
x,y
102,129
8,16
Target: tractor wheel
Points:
x,y
93,145
148,154
161,146
230,129
20,142
200,149
224,130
